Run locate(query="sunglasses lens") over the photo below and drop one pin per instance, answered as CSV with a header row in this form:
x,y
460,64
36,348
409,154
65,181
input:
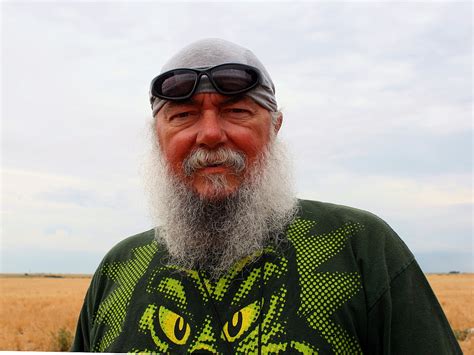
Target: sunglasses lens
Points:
x,y
228,79
175,84
231,80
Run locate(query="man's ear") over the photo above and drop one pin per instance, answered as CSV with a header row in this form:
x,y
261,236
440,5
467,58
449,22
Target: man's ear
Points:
x,y
278,122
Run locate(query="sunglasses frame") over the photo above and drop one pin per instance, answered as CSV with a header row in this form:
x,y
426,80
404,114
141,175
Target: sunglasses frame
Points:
x,y
209,74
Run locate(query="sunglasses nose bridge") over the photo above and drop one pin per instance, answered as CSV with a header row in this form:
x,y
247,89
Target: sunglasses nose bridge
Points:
x,y
206,83
200,75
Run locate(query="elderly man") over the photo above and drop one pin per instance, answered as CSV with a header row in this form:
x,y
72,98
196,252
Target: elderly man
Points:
x,y
238,264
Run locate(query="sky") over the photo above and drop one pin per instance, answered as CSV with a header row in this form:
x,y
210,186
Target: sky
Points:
x,y
376,97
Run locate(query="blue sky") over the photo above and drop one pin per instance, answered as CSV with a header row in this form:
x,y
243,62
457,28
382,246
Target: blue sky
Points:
x,y
376,96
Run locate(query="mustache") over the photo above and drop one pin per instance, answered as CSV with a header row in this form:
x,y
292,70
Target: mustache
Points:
x,y
202,158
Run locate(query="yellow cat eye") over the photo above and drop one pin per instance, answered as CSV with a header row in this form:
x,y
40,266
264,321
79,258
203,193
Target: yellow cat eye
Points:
x,y
174,326
241,321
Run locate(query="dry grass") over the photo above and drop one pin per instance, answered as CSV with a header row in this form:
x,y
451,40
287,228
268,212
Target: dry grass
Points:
x,y
34,309
37,312
455,292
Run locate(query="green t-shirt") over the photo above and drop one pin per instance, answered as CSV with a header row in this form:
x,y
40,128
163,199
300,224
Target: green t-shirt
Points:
x,y
342,282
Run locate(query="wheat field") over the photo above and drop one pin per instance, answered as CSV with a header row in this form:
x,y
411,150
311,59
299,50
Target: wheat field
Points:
x,y
34,309
40,313
455,292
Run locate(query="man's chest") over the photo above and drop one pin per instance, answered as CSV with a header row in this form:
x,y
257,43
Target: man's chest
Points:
x,y
266,306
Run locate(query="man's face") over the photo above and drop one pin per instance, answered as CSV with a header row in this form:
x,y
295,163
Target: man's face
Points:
x,y
211,121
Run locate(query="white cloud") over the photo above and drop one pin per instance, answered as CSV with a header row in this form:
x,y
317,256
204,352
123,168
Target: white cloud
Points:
x,y
68,213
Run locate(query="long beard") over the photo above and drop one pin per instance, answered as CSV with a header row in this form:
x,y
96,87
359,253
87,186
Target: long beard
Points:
x,y
212,234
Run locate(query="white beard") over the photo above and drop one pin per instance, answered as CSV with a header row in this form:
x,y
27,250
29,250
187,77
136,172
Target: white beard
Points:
x,y
211,235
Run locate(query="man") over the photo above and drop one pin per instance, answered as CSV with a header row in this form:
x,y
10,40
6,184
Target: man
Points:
x,y
238,265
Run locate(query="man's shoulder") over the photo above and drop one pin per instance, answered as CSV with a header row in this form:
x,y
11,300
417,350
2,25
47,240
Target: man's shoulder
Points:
x,y
126,248
336,214
368,230
370,239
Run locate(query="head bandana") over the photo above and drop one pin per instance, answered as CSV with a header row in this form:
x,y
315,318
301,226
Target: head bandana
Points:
x,y
211,52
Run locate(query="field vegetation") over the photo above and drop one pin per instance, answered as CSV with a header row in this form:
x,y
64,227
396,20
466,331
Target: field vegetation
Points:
x,y
455,292
39,312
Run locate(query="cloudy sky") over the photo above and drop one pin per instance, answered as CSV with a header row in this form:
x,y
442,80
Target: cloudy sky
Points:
x,y
377,100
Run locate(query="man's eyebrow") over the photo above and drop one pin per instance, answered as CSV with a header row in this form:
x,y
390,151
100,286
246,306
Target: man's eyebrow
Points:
x,y
170,105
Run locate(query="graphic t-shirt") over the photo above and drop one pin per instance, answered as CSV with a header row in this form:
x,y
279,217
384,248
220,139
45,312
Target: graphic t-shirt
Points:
x,y
341,282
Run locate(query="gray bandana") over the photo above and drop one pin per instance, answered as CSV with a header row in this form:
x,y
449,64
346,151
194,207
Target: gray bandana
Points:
x,y
214,51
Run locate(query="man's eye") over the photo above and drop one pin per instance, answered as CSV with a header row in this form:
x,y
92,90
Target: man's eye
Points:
x,y
237,112
182,116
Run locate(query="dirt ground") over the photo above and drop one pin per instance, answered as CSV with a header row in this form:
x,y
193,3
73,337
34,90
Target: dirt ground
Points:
x,y
40,313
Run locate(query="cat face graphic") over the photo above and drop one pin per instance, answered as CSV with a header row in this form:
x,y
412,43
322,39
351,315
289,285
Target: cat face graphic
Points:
x,y
216,316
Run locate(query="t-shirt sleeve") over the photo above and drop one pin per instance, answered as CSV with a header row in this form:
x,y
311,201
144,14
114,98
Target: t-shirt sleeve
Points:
x,y
88,331
81,339
407,318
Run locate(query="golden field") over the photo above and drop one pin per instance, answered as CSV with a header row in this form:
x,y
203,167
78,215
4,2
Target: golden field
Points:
x,y
34,309
40,313
455,292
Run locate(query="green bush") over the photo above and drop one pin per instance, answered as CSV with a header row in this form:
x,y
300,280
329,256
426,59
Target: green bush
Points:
x,y
62,340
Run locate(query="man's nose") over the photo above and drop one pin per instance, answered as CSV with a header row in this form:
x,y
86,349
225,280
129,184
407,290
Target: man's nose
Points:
x,y
211,131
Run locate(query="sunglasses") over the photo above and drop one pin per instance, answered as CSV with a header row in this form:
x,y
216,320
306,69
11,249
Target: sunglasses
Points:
x,y
227,79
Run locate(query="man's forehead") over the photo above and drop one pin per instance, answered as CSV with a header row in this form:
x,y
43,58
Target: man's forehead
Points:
x,y
221,100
